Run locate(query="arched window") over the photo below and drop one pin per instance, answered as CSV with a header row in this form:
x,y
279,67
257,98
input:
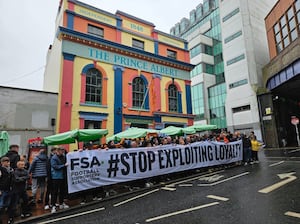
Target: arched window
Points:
x,y
173,98
138,92
93,90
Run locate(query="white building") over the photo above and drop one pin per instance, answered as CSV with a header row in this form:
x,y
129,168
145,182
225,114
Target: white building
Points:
x,y
245,52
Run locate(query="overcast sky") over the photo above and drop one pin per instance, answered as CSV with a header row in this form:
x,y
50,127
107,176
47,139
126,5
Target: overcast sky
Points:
x,y
27,30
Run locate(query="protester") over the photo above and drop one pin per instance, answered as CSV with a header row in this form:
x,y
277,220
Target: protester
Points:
x,y
6,194
19,189
49,179
38,169
247,151
58,166
13,155
255,145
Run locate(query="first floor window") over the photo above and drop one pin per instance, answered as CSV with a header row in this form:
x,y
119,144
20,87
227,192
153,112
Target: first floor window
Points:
x,y
173,98
93,88
138,92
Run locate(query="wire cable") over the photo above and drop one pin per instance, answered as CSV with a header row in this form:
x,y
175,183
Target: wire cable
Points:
x,y
22,76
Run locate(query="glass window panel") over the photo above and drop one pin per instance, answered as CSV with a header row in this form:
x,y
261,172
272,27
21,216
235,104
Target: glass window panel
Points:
x,y
276,28
297,5
283,21
93,91
138,44
284,31
279,47
290,13
278,37
294,34
286,41
292,24
298,17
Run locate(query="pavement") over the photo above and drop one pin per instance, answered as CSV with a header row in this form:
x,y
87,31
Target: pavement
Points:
x,y
39,213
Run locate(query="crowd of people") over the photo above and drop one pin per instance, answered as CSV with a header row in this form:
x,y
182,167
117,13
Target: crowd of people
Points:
x,y
250,143
48,173
44,170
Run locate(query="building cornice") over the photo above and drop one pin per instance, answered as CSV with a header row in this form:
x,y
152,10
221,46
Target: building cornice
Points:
x,y
89,40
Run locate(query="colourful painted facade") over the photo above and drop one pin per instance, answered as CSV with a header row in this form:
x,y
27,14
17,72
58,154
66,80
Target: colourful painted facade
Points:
x,y
117,71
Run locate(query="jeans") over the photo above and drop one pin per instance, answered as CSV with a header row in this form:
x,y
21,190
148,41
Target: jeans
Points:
x,y
24,205
58,190
5,199
247,154
38,182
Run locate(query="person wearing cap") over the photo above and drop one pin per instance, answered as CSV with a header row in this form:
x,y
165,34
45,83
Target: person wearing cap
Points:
x,y
6,184
58,166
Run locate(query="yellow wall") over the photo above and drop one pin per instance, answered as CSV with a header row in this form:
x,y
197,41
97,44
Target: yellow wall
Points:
x,y
79,64
164,93
95,15
174,119
136,27
171,41
127,40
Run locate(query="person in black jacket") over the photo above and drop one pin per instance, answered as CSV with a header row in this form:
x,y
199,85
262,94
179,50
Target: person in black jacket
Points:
x,y
246,149
19,188
6,184
13,155
38,169
49,179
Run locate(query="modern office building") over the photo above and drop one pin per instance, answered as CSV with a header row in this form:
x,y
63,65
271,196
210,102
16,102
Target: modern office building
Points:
x,y
116,71
280,102
226,80
203,32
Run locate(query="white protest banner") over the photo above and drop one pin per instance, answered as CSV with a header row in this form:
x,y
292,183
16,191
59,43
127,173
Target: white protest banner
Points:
x,y
94,168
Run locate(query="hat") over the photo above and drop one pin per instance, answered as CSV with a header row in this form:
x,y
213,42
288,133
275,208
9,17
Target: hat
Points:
x,y
4,159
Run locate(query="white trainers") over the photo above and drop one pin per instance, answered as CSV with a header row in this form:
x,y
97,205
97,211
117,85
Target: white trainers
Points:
x,y
53,210
63,206
47,207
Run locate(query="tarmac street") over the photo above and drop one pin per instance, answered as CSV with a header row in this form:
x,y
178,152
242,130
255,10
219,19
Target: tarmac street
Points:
x,y
264,192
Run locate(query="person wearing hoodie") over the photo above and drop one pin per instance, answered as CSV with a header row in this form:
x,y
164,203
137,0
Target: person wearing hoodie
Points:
x,y
13,155
38,170
6,186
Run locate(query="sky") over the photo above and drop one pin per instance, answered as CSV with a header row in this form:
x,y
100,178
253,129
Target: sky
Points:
x,y
28,28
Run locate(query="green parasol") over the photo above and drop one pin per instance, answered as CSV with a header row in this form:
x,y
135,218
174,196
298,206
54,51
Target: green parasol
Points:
x,y
4,142
72,136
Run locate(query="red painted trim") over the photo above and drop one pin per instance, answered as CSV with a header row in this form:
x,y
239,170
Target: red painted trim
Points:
x,y
190,122
66,96
119,36
71,6
175,83
187,57
157,94
155,35
187,82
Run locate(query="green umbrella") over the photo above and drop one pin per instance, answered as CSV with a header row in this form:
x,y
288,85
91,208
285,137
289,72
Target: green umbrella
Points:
x,y
131,133
4,142
189,130
172,130
78,135
204,127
